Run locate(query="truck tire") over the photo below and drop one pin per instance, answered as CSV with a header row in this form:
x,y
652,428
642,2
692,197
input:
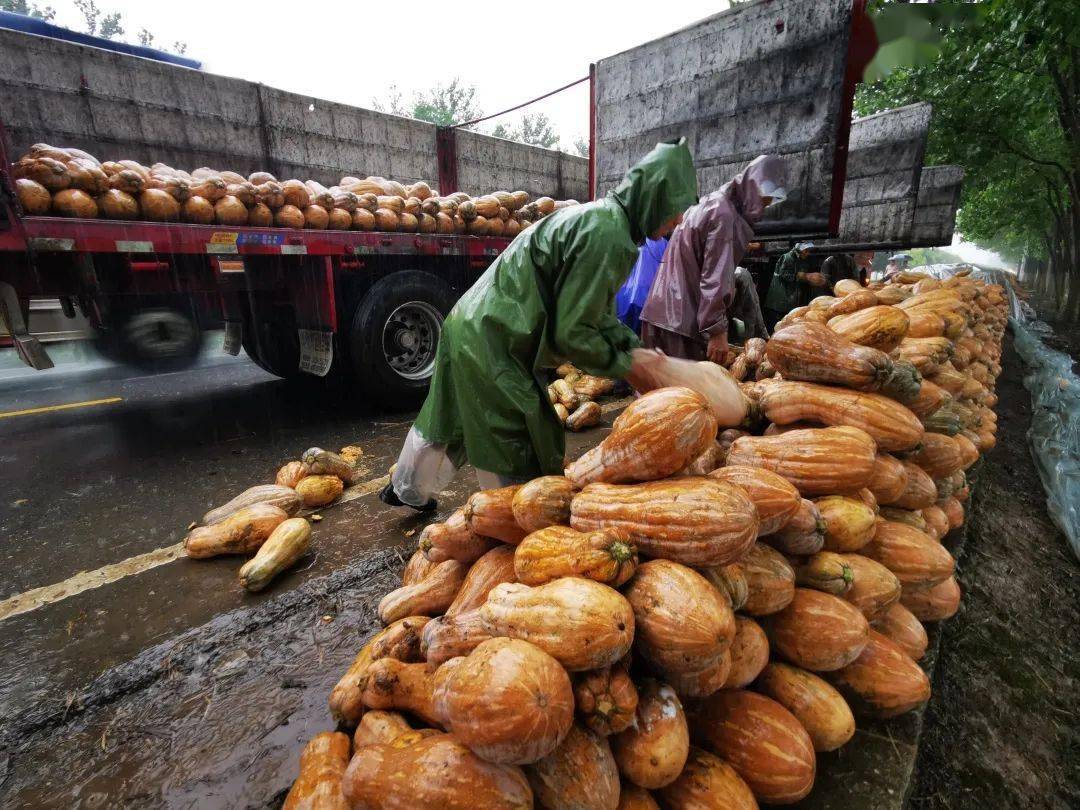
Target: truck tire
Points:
x,y
394,334
152,338
272,343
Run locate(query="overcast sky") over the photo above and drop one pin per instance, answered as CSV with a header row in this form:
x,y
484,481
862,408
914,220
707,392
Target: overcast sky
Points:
x,y
352,52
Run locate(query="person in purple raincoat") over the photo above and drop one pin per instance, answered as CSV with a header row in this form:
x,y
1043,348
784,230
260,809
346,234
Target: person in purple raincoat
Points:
x,y
686,313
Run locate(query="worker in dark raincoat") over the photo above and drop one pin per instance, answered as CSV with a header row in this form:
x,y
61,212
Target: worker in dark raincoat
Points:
x,y
548,298
793,283
686,314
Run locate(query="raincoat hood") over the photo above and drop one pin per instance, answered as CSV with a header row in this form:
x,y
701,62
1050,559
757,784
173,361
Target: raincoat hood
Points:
x,y
660,186
747,188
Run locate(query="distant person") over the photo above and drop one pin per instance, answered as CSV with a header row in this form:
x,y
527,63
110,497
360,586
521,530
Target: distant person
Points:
x,y
549,297
794,283
746,306
686,313
837,267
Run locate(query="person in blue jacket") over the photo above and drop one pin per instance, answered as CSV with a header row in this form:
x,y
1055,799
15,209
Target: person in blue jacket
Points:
x,y
632,295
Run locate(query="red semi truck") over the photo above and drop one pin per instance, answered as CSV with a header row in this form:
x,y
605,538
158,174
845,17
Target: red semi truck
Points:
x,y
365,304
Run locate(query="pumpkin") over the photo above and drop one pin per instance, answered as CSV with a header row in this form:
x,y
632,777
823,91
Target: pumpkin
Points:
x,y
158,206
883,681
586,415
363,220
632,797
761,740
880,327
72,202
508,701
35,198
770,580
296,194
319,490
454,540
392,684
655,436
289,216
776,500
919,490
420,769
282,497
954,512
316,217
694,521
490,513
969,453
900,626
749,653
803,534
651,753
933,604
930,398
447,637
938,455
817,631
429,597
874,588
378,726
286,544
325,462
197,210
703,680
543,502
730,581
935,521
944,420
417,568
813,352
291,474
707,783
211,189
559,551
401,640
578,775
825,571
112,204
322,768
260,216
849,522
493,568
817,461
818,707
606,699
891,425
917,559
583,624
681,621
241,532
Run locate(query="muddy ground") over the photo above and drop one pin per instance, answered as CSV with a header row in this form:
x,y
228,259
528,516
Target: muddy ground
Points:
x,y
1003,728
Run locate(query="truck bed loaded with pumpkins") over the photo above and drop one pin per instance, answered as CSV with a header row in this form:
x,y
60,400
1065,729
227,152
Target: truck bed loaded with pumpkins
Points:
x,y
160,201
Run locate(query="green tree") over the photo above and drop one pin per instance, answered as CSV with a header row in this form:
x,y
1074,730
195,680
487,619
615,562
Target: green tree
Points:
x,y
533,129
97,22
442,105
46,13
1006,96
581,146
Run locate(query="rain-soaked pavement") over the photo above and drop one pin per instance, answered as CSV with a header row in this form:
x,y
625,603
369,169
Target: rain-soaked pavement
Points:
x,y
170,685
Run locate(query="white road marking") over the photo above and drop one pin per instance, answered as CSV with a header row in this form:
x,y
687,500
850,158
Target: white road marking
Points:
x,y
106,575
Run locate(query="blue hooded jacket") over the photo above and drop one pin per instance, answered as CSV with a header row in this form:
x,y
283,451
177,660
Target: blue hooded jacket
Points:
x,y
632,295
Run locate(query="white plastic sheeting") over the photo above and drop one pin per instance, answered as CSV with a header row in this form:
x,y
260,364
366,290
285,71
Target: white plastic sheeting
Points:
x,y
1054,435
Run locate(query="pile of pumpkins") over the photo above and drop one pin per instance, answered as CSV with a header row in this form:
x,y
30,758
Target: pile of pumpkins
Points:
x,y
694,609
69,182
573,395
264,520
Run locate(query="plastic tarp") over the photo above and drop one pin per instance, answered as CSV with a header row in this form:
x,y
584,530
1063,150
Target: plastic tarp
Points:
x,y
1054,435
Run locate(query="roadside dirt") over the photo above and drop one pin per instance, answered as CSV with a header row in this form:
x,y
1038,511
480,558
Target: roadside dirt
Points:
x,y
1003,728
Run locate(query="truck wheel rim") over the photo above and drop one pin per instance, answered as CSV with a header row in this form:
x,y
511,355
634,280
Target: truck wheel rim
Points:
x,y
410,338
159,334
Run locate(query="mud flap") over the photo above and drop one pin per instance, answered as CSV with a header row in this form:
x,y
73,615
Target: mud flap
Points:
x,y
234,332
316,351
29,348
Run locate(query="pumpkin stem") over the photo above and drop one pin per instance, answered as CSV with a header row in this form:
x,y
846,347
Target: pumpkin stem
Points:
x,y
621,552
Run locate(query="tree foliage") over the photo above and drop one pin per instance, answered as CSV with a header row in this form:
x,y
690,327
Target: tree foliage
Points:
x,y
99,23
1006,96
442,105
46,13
533,129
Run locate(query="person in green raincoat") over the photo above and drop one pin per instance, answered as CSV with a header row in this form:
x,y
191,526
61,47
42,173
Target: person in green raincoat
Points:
x,y
791,283
548,298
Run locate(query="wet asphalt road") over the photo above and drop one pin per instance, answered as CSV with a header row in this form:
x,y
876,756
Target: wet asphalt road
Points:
x,y
98,485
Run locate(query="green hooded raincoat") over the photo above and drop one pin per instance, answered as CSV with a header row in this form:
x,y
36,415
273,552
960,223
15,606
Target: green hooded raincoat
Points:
x,y
549,297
